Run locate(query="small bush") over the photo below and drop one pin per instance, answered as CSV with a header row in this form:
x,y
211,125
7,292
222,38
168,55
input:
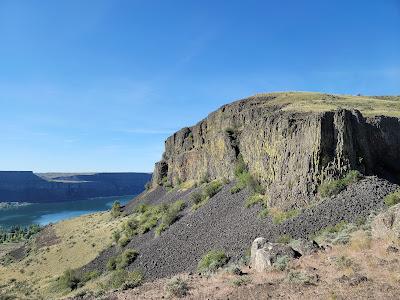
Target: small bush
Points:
x,y
112,264
263,213
212,188
343,262
160,228
279,216
196,198
393,198
205,179
338,234
87,276
302,278
334,187
127,257
177,287
116,209
281,263
116,236
124,279
256,199
124,241
69,280
284,239
243,280
212,261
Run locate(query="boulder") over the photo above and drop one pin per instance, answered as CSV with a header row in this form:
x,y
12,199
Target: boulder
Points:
x,y
304,246
264,253
387,224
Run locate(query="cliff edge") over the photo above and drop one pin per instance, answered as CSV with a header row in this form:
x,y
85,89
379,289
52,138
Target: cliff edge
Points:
x,y
290,142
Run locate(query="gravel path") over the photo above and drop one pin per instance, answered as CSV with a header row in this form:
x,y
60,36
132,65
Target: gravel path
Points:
x,y
225,223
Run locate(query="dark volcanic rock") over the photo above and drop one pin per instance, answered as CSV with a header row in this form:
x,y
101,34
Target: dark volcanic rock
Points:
x,y
225,223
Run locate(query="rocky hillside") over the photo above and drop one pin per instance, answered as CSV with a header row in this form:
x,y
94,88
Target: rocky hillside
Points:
x,y
290,142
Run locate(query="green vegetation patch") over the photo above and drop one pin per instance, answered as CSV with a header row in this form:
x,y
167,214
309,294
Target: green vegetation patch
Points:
x,y
171,214
116,209
123,260
279,216
334,187
18,233
338,234
393,198
212,261
146,217
122,279
177,287
210,190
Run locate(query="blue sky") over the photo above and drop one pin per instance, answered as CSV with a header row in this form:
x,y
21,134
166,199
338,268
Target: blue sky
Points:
x,y
99,85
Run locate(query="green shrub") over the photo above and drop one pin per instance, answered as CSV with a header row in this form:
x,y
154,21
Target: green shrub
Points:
x,y
116,236
338,234
212,188
177,287
87,276
284,239
124,241
279,216
69,280
160,228
212,261
263,213
256,199
393,198
205,179
116,209
281,263
126,258
112,264
124,279
334,187
196,198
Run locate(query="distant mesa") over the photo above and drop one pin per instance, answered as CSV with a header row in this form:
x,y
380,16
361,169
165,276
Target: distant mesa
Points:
x,y
26,186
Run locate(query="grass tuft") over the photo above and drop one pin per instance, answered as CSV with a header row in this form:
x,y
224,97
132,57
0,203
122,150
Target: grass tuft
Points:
x,y
212,261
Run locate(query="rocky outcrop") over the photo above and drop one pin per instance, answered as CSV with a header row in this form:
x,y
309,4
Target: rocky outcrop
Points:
x,y
289,153
26,186
264,254
387,224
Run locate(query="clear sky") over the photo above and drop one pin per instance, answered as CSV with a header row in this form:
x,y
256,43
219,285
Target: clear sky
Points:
x,y
99,85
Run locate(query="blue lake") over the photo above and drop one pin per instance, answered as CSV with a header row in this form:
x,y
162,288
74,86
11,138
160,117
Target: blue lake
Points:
x,y
45,213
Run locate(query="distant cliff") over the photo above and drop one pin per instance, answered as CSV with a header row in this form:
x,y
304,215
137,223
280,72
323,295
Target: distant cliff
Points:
x,y
290,142
25,186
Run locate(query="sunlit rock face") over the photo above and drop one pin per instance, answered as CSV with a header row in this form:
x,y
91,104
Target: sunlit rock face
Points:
x,y
290,153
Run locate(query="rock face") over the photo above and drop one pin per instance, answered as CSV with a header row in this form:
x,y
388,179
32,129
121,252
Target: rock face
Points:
x,y
387,224
25,186
289,153
264,254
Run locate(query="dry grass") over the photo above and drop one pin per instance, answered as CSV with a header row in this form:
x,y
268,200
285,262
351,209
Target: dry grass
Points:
x,y
316,102
362,269
80,240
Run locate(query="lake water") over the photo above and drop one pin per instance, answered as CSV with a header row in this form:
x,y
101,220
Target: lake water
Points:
x,y
45,213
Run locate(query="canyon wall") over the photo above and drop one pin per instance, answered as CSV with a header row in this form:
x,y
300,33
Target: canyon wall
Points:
x,y
290,153
25,186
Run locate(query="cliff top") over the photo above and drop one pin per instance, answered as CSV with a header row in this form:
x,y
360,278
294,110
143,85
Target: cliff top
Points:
x,y
318,102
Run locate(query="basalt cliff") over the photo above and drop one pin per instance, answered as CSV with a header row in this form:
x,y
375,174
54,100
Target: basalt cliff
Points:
x,y
288,147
